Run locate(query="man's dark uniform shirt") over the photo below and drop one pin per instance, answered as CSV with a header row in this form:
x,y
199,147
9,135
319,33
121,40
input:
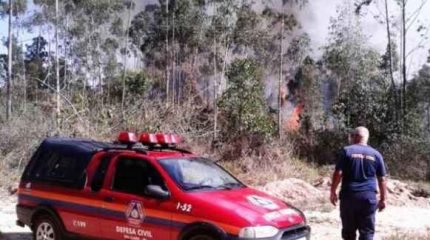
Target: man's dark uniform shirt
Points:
x,y
361,165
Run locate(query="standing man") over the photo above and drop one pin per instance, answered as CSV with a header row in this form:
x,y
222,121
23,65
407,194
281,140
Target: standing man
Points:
x,y
360,167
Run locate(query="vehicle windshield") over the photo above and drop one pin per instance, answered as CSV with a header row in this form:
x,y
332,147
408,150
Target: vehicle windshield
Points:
x,y
199,174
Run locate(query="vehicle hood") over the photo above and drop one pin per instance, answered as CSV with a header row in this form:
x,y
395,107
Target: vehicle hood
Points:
x,y
251,206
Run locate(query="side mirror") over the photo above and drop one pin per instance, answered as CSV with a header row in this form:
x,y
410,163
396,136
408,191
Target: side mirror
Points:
x,y
156,192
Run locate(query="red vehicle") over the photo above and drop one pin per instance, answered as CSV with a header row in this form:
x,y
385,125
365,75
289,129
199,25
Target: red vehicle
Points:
x,y
144,189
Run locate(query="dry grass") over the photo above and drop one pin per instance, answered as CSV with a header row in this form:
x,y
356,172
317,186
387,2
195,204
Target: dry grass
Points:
x,y
255,166
409,236
276,162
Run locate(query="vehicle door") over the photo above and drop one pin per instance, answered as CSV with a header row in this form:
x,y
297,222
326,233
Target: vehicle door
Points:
x,y
130,212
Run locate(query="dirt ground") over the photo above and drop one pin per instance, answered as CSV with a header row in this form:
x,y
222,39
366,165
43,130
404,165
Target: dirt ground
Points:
x,y
406,214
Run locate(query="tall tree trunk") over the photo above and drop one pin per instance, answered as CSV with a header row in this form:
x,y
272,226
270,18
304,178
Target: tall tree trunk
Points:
x,y
404,33
390,59
215,93
125,64
57,68
9,79
281,76
173,55
167,53
24,78
65,82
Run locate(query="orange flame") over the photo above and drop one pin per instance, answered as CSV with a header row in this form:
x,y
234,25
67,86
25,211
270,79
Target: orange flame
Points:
x,y
293,122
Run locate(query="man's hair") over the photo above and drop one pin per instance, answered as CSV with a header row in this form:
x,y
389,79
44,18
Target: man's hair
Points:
x,y
363,133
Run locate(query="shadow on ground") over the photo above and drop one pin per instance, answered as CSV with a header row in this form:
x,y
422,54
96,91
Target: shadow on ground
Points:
x,y
15,236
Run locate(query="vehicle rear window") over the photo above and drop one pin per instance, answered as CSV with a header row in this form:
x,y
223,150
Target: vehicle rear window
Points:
x,y
58,166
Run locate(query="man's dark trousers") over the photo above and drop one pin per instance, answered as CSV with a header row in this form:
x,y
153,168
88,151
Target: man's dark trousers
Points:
x,y
357,211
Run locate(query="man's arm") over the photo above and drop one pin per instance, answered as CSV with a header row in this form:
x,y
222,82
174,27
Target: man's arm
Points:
x,y
337,176
382,182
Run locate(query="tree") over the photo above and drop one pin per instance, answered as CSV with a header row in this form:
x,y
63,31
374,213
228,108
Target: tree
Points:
x,y
36,66
418,101
12,8
362,94
90,32
242,103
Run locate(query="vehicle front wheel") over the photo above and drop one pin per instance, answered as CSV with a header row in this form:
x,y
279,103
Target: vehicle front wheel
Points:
x,y
46,228
203,237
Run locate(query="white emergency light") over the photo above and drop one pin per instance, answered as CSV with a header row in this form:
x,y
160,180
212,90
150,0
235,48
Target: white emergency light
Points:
x,y
162,139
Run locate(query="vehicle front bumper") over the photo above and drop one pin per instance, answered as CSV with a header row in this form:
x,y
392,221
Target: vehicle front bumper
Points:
x,y
299,232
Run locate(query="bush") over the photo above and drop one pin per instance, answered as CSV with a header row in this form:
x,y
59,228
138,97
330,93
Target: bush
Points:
x,y
408,157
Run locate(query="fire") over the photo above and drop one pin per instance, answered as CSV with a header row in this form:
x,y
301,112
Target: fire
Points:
x,y
293,122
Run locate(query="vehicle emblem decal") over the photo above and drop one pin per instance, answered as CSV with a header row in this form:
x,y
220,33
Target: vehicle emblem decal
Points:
x,y
262,202
135,214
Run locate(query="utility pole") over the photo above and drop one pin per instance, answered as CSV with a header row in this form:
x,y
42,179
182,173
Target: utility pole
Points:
x,y
9,79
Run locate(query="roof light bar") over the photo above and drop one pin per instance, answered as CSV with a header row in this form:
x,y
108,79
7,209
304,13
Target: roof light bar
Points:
x,y
127,138
159,139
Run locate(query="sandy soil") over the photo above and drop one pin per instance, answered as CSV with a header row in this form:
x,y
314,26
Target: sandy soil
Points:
x,y
413,221
8,229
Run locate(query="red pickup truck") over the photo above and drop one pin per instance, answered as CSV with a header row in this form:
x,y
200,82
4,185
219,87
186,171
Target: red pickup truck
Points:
x,y
142,189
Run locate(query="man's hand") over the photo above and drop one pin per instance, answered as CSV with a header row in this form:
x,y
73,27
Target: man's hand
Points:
x,y
333,198
337,176
381,205
382,182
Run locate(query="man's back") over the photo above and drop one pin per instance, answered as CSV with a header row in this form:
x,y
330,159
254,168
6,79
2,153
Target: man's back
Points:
x,y
360,165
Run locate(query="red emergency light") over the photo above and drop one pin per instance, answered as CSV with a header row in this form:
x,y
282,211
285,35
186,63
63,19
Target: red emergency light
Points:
x,y
148,139
127,138
159,139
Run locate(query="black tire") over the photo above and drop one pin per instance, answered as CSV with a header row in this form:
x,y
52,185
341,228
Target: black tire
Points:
x,y
47,228
203,237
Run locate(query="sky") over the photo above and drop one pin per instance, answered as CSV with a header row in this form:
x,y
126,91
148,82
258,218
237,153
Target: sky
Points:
x,y
315,18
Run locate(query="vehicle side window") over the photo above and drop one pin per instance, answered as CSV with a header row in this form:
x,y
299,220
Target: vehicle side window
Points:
x,y
100,174
133,175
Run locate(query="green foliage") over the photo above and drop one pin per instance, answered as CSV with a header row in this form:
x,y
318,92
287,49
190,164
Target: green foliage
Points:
x,y
242,104
137,85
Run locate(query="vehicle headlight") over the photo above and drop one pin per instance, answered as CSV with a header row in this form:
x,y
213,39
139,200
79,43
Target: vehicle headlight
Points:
x,y
258,232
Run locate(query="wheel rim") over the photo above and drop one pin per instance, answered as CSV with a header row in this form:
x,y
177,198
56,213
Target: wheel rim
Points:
x,y
45,231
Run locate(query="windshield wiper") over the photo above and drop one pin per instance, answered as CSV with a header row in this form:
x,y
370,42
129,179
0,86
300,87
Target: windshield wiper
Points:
x,y
200,187
230,185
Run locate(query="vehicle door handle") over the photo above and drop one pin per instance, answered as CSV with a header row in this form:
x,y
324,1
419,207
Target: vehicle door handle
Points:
x,y
109,199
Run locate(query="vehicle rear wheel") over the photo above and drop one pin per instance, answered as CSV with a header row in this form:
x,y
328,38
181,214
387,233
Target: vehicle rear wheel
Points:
x,y
46,228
